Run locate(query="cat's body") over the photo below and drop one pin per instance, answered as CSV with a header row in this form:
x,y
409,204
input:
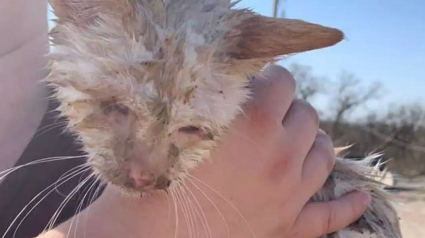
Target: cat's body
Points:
x,y
380,220
150,86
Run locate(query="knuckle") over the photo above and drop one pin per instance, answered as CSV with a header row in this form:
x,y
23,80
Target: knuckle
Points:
x,y
278,79
281,76
324,147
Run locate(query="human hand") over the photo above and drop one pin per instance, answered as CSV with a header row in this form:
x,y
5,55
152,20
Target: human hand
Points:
x,y
271,164
257,184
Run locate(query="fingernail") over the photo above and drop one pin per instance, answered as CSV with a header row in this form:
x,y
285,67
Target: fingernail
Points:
x,y
366,198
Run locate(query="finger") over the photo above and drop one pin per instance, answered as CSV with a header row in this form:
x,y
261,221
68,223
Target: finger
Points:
x,y
327,217
317,165
273,92
299,129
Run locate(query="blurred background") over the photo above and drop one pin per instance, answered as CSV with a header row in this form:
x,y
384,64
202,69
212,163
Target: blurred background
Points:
x,y
369,89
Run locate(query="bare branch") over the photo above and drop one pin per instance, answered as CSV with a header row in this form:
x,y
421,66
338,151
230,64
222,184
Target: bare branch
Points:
x,y
308,85
350,95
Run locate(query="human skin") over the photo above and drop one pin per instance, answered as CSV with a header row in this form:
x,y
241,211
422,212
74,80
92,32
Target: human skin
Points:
x,y
23,43
268,166
285,163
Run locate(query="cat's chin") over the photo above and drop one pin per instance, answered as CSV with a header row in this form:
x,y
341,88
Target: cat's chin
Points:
x,y
134,193
129,191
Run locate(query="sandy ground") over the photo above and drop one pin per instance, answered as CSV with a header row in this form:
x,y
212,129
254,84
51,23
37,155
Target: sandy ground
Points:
x,y
411,208
412,218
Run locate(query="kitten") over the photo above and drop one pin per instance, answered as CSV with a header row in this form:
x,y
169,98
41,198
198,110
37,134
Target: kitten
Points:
x,y
150,86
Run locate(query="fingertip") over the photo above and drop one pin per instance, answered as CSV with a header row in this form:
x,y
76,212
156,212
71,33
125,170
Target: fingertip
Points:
x,y
359,201
333,215
273,92
366,198
276,71
277,78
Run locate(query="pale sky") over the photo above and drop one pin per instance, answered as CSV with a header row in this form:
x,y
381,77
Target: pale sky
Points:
x,y
385,42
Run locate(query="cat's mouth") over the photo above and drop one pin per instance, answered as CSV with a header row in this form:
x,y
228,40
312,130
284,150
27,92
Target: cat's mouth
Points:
x,y
147,183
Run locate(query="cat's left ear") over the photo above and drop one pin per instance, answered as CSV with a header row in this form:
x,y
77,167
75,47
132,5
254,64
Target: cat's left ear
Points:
x,y
82,12
75,11
257,36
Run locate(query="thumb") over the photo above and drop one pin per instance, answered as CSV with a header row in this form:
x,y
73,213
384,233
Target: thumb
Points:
x,y
327,217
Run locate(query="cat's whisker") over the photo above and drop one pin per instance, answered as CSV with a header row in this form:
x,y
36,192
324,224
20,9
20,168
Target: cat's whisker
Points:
x,y
214,205
168,205
74,191
99,186
183,207
192,214
176,214
80,206
7,172
225,199
55,216
56,187
189,211
201,214
82,170
62,205
46,126
49,128
195,211
79,210
74,174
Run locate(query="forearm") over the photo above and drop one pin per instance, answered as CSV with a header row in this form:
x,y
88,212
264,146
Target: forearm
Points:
x,y
23,45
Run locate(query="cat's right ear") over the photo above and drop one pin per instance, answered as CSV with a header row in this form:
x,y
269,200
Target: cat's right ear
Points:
x,y
256,37
84,12
75,11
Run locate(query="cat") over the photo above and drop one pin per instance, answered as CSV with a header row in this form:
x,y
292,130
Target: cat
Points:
x,y
164,79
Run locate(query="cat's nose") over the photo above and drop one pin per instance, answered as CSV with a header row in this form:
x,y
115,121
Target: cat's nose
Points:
x,y
142,179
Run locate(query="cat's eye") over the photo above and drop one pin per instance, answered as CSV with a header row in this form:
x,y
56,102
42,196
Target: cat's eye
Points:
x,y
190,129
109,107
122,109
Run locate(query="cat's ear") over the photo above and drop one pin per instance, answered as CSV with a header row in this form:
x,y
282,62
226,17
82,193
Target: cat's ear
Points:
x,y
263,37
77,11
86,11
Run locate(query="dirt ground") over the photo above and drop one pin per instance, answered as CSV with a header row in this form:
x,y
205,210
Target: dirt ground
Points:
x,y
412,218
411,208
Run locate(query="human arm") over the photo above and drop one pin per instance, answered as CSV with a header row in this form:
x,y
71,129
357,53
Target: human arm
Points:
x,y
23,44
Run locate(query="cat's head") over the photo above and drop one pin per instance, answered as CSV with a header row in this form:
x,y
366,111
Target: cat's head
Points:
x,y
149,86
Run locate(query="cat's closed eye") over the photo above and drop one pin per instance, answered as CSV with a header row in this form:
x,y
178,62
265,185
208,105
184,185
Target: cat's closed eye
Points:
x,y
190,129
108,107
